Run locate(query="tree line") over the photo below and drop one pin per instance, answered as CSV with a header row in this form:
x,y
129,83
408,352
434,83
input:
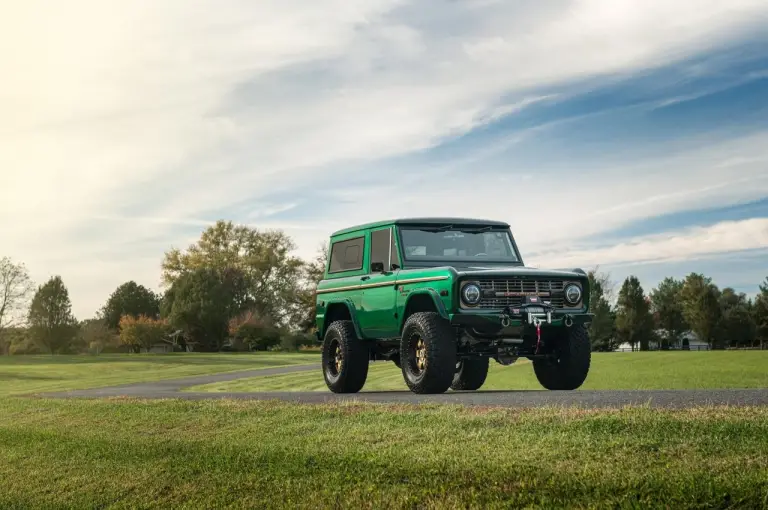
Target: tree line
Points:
x,y
239,288
663,318
236,288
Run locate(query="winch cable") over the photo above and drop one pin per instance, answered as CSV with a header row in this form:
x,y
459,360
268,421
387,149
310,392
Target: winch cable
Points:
x,y
538,334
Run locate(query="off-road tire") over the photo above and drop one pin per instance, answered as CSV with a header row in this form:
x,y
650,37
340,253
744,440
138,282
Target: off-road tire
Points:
x,y
440,346
569,368
471,374
354,353
396,361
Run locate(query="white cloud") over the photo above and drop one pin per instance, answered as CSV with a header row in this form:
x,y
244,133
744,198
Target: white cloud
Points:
x,y
554,209
724,237
163,112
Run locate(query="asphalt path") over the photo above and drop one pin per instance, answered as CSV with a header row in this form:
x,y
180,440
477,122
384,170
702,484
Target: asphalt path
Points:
x,y
529,398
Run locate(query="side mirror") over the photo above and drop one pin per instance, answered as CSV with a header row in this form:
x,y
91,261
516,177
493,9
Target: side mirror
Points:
x,y
377,267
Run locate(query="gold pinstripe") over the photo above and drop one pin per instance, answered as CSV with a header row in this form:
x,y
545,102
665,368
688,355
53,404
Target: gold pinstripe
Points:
x,y
384,284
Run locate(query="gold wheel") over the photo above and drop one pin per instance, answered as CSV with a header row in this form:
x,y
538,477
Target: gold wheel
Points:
x,y
338,359
421,355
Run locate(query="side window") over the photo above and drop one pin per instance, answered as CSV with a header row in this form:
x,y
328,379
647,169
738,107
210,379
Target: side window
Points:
x,y
380,249
347,255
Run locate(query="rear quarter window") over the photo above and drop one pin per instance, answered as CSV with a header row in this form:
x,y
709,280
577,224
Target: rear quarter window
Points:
x,y
347,255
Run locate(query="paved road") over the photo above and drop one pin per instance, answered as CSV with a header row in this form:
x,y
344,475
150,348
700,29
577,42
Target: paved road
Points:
x,y
528,398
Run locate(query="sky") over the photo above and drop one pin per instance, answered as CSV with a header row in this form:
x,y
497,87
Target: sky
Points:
x,y
626,135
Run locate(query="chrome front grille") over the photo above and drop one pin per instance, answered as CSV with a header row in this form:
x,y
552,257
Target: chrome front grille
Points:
x,y
503,292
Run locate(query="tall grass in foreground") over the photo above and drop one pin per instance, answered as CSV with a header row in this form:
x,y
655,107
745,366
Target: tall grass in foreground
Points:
x,y
213,454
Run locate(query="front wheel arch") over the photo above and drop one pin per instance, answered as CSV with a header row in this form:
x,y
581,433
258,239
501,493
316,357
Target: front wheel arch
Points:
x,y
423,300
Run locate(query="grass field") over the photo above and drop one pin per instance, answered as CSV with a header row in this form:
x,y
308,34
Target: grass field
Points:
x,y
126,453
31,374
214,454
631,370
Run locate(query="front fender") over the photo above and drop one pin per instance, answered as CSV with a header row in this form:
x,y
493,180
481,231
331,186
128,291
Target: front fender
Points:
x,y
433,295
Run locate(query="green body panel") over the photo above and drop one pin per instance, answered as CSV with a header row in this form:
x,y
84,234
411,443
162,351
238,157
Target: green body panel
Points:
x,y
378,303
376,314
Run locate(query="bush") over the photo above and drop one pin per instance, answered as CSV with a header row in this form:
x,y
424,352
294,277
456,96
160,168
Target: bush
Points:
x,y
295,341
25,346
254,333
142,332
256,336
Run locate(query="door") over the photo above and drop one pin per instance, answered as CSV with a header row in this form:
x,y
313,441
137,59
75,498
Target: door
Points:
x,y
377,314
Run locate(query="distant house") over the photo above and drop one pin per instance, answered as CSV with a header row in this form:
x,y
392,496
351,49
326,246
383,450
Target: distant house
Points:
x,y
173,342
693,343
160,348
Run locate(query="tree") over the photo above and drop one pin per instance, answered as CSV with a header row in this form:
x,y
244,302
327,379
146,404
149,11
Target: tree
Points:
x,y
94,335
142,332
130,299
312,274
606,284
271,274
202,302
15,290
51,324
602,330
667,310
634,323
701,307
760,314
736,325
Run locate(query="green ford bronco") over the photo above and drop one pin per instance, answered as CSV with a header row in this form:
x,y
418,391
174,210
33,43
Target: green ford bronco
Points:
x,y
441,296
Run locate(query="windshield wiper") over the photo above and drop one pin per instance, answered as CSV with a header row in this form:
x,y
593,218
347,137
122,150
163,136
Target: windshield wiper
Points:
x,y
436,229
475,230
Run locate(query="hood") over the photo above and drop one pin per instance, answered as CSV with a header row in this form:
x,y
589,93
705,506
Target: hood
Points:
x,y
480,271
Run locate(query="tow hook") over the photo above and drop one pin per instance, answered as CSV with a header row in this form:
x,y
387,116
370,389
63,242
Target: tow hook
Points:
x,y
568,321
537,322
506,319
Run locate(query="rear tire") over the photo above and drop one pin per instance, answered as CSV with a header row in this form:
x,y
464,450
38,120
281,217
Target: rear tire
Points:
x,y
471,374
345,358
568,368
427,353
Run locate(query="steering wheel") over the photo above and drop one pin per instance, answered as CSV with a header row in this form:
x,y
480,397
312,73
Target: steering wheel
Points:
x,y
481,254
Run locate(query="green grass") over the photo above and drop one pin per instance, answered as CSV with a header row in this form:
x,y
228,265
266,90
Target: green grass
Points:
x,y
243,454
33,374
631,370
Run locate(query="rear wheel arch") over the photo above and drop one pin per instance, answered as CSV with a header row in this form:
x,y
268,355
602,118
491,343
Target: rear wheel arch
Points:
x,y
340,311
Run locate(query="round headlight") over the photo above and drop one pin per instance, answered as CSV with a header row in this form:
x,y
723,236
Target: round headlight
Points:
x,y
471,294
573,294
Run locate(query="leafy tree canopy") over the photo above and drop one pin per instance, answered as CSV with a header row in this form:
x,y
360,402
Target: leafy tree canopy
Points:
x,y
634,323
701,306
203,301
602,330
760,314
130,299
142,332
667,309
52,326
271,275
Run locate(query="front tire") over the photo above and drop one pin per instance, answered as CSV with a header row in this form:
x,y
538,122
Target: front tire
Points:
x,y
471,374
345,358
569,366
427,353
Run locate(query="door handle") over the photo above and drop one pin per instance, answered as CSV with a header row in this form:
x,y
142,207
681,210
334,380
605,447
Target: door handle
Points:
x,y
365,278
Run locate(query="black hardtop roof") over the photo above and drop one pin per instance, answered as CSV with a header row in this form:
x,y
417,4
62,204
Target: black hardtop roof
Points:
x,y
423,221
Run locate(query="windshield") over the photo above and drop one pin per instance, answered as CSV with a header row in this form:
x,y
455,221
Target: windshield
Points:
x,y
474,244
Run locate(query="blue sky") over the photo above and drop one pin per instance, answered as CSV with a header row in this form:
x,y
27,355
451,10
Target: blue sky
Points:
x,y
622,134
